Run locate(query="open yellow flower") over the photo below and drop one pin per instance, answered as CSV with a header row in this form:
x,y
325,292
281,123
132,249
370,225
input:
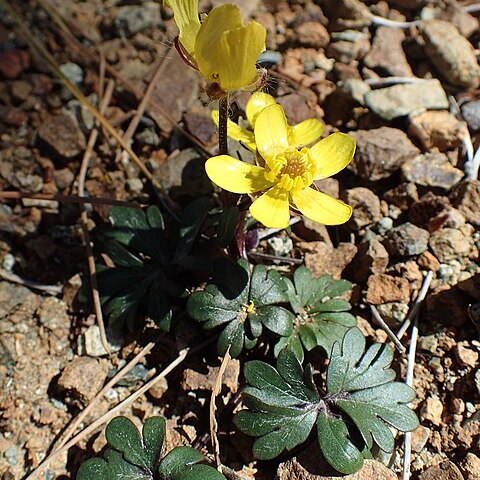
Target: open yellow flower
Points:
x,y
288,173
303,133
222,47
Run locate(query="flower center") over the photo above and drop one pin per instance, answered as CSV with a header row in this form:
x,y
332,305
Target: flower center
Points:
x,y
291,170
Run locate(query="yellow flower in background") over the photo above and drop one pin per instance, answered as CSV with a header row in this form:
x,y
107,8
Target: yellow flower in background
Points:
x,y
222,47
288,173
304,133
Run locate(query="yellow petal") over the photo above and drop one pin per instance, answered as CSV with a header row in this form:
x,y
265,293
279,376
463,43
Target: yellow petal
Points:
x,y
271,131
226,51
272,208
185,14
258,101
305,132
235,176
332,154
321,208
236,132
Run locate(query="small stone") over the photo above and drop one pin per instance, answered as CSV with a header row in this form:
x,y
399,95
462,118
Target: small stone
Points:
x,y
466,357
438,129
10,455
444,471
347,14
387,54
357,89
64,178
471,114
82,379
134,185
419,438
63,135
149,137
13,63
452,54
348,46
403,196
132,19
312,34
73,72
449,243
91,343
371,258
158,389
432,410
193,380
382,288
466,198
432,170
21,89
384,225
12,116
53,314
406,240
394,313
428,343
470,466
380,152
403,99
428,261
280,246
366,207
199,123
323,259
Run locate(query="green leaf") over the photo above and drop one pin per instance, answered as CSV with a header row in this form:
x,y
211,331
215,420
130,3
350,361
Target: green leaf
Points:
x,y
333,305
305,287
337,449
199,472
282,409
267,287
121,256
277,319
158,307
120,469
179,459
227,226
153,433
192,218
93,469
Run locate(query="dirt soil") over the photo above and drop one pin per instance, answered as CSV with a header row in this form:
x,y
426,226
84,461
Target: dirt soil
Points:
x,y
401,76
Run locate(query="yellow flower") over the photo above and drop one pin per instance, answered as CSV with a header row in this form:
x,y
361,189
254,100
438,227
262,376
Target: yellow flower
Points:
x,y
222,47
288,173
303,133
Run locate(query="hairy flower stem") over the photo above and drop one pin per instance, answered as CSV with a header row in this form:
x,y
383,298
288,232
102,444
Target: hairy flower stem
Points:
x,y
222,126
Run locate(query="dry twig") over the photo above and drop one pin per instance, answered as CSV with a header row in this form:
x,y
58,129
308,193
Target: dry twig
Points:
x,y
11,277
378,318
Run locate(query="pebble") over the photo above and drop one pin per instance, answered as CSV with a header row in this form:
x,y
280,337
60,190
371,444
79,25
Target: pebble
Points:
x,y
419,438
82,379
470,466
371,258
64,178
357,89
471,114
465,356
403,196
381,152
432,410
73,72
383,288
11,455
63,135
466,198
449,243
394,313
438,129
53,314
384,225
312,34
134,185
366,207
280,246
132,19
387,54
451,53
21,89
91,344
444,471
13,63
428,343
348,46
400,100
406,240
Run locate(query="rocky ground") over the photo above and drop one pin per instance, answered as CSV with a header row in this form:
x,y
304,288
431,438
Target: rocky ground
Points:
x,y
401,76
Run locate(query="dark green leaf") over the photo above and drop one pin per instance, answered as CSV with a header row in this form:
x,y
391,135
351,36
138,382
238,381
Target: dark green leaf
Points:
x,y
120,469
192,218
277,319
93,469
177,460
305,286
232,279
199,472
233,337
158,307
155,218
267,287
337,449
292,343
333,305
227,225
337,288
153,433
121,256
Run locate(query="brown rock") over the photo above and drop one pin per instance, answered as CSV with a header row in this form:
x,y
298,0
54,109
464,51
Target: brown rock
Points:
x,y
381,152
371,258
408,3
387,55
432,410
193,380
63,135
438,129
323,259
82,379
366,207
13,63
427,208
402,196
470,466
449,243
466,197
452,54
444,471
406,240
12,116
199,123
347,14
296,107
419,438
312,34
347,48
466,357
428,261
382,288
